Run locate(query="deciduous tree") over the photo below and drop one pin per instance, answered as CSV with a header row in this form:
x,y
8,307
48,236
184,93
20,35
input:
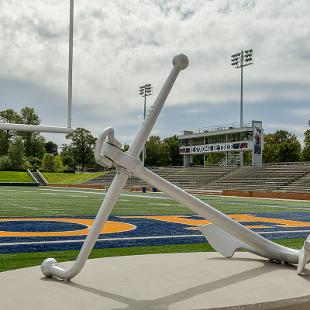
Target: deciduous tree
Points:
x,y
48,163
306,148
6,136
16,153
51,147
58,164
281,146
174,144
67,157
34,143
157,153
82,147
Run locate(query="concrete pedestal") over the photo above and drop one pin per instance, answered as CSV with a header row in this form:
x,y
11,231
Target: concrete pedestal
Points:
x,y
162,281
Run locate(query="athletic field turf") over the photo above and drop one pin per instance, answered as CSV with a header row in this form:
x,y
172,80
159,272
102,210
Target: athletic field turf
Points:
x,y
34,221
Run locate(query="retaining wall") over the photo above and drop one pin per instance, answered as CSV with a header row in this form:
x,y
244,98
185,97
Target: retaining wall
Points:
x,y
262,194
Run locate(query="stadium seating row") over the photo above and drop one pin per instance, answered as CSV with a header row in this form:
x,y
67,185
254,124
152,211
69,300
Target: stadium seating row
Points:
x,y
286,178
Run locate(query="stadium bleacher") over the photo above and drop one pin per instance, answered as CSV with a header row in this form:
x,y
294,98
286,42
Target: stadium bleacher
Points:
x,y
283,178
301,184
261,178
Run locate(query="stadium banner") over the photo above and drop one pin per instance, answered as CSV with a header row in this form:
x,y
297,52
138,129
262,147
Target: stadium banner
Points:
x,y
257,154
217,147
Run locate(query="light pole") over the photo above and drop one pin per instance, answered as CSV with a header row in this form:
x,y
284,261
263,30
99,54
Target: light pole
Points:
x,y
240,60
144,91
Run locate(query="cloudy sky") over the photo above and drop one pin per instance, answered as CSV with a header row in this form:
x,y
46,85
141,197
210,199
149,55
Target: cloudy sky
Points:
x,y
120,45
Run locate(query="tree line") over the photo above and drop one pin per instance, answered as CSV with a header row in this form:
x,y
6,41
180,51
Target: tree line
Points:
x,y
29,150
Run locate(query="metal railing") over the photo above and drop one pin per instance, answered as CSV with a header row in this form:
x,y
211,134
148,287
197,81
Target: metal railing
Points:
x,y
247,124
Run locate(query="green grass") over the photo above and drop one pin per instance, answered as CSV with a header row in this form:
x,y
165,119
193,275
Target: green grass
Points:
x,y
67,202
254,205
22,260
14,176
45,201
70,178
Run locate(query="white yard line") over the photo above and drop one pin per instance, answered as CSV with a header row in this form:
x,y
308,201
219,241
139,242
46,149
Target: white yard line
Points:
x,y
100,240
289,208
244,204
69,191
283,232
140,238
102,193
31,208
159,204
259,198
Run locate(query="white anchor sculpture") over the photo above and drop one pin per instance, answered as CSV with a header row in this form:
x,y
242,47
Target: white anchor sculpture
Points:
x,y
224,234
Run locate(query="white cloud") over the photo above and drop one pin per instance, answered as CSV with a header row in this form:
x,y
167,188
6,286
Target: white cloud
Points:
x,y
120,45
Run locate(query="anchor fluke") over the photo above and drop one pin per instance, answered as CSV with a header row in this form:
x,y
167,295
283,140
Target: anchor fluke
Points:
x,y
221,241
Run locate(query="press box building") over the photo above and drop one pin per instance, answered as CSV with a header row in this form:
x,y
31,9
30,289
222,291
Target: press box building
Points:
x,y
230,139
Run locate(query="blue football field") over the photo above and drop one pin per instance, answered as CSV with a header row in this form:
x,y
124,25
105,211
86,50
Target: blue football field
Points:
x,y
57,219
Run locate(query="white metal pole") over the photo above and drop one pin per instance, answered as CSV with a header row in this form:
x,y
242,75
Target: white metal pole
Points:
x,y
144,115
241,91
35,128
69,122
241,103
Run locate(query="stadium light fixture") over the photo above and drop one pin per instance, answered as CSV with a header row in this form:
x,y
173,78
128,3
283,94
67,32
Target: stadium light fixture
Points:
x,y
145,91
239,61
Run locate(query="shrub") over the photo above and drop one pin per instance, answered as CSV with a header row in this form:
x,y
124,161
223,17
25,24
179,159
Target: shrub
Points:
x,y
5,163
16,154
35,162
58,164
48,163
26,165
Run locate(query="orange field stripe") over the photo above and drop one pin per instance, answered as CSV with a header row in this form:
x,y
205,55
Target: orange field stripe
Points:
x,y
109,228
238,217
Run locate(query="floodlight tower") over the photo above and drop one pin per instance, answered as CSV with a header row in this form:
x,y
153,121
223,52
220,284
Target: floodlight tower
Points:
x,y
144,91
240,60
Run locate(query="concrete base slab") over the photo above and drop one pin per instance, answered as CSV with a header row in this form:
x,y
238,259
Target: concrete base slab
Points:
x,y
162,281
